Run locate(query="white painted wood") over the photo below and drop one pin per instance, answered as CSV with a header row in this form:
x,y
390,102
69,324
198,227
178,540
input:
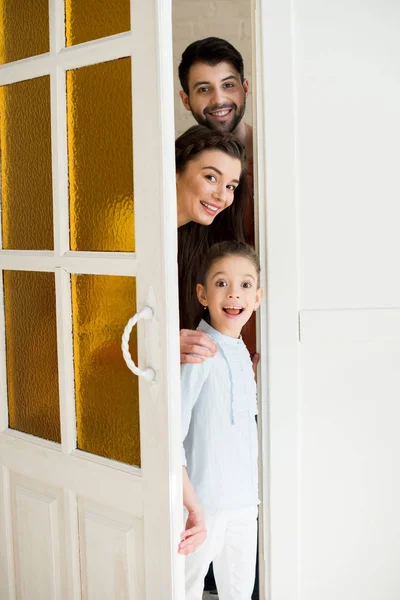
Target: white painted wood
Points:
x,y
111,553
260,224
7,567
349,464
60,480
279,326
348,92
333,434
3,369
157,287
362,325
38,532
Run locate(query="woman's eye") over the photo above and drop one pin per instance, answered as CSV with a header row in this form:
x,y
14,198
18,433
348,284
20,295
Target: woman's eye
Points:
x,y
231,188
211,178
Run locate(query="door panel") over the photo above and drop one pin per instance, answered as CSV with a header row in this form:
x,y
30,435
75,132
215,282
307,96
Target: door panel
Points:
x,y
91,508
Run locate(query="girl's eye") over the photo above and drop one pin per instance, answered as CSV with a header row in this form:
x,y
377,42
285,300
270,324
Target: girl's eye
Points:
x,y
220,283
247,285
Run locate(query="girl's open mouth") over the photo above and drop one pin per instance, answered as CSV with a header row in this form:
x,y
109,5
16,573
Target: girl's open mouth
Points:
x,y
233,311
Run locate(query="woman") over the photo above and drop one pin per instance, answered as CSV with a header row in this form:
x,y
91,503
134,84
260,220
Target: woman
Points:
x,y
211,196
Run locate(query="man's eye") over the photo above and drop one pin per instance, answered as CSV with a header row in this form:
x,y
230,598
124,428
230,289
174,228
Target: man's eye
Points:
x,y
229,85
202,90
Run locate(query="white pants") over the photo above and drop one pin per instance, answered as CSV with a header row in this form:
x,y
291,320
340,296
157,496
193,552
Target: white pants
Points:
x,y
231,545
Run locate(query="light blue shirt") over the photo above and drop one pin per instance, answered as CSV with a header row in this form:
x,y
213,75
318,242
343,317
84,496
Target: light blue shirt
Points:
x,y
219,431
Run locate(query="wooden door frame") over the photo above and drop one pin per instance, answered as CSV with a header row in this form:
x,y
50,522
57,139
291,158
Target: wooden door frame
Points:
x,y
275,192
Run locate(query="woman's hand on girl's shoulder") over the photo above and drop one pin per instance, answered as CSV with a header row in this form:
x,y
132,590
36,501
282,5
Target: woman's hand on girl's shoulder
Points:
x,y
196,346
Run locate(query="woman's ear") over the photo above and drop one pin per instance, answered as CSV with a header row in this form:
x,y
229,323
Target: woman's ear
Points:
x,y
201,294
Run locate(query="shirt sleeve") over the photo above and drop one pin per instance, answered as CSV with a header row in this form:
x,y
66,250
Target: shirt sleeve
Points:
x,y
193,377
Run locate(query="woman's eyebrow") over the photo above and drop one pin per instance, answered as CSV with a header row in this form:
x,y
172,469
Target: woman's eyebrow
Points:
x,y
217,171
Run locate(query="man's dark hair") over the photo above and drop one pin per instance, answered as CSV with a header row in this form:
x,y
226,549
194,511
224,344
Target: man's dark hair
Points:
x,y
210,51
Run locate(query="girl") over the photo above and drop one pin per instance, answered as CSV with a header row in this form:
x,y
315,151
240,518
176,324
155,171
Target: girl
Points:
x,y
219,431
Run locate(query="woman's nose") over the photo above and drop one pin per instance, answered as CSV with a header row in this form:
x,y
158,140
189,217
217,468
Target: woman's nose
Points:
x,y
221,194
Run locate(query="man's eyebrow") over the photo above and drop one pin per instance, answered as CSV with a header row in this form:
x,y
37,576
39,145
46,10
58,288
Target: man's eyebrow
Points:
x,y
199,83
219,172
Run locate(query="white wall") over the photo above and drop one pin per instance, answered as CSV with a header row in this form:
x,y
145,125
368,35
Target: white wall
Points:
x,y
197,19
347,129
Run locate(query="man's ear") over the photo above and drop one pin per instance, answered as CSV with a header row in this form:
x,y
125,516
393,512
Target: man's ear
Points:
x,y
259,296
185,99
201,294
246,86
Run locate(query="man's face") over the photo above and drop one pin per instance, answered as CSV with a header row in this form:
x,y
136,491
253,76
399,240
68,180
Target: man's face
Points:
x,y
217,97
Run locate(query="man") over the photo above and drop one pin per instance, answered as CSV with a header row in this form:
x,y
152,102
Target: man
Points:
x,y
214,90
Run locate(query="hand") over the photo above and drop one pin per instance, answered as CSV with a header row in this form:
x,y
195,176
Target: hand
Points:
x,y
196,342
255,359
195,532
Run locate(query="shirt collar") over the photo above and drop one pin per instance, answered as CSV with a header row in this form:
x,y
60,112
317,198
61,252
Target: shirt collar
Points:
x,y
218,337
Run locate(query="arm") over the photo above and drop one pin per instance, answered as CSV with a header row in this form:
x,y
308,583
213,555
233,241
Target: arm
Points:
x,y
195,532
192,379
196,342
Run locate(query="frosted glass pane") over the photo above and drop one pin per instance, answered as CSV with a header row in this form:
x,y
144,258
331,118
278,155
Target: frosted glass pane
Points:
x,y
107,397
31,342
26,179
24,29
100,157
93,19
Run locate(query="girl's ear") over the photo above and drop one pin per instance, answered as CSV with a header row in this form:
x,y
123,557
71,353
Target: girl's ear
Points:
x,y
201,294
259,296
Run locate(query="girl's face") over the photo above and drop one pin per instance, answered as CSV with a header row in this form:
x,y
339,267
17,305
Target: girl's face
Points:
x,y
206,186
231,294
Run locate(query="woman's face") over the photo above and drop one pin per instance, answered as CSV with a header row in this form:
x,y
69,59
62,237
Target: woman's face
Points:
x,y
206,186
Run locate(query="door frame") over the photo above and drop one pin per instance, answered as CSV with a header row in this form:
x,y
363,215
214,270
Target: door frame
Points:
x,y
278,330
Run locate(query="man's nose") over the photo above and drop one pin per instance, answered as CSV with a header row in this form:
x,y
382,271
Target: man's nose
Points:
x,y
218,96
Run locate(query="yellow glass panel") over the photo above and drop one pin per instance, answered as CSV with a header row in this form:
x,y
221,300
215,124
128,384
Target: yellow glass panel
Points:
x,y
26,179
31,342
24,29
93,19
107,396
100,157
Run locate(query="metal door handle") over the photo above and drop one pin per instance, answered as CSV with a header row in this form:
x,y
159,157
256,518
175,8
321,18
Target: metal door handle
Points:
x,y
148,374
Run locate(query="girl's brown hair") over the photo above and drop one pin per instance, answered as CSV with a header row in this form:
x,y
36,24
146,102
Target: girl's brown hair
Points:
x,y
194,240
225,249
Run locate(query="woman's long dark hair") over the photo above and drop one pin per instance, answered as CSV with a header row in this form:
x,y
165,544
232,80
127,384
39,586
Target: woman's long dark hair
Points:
x,y
194,240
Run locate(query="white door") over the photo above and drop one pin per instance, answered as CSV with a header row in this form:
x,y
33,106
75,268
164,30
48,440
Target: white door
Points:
x,y
90,481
